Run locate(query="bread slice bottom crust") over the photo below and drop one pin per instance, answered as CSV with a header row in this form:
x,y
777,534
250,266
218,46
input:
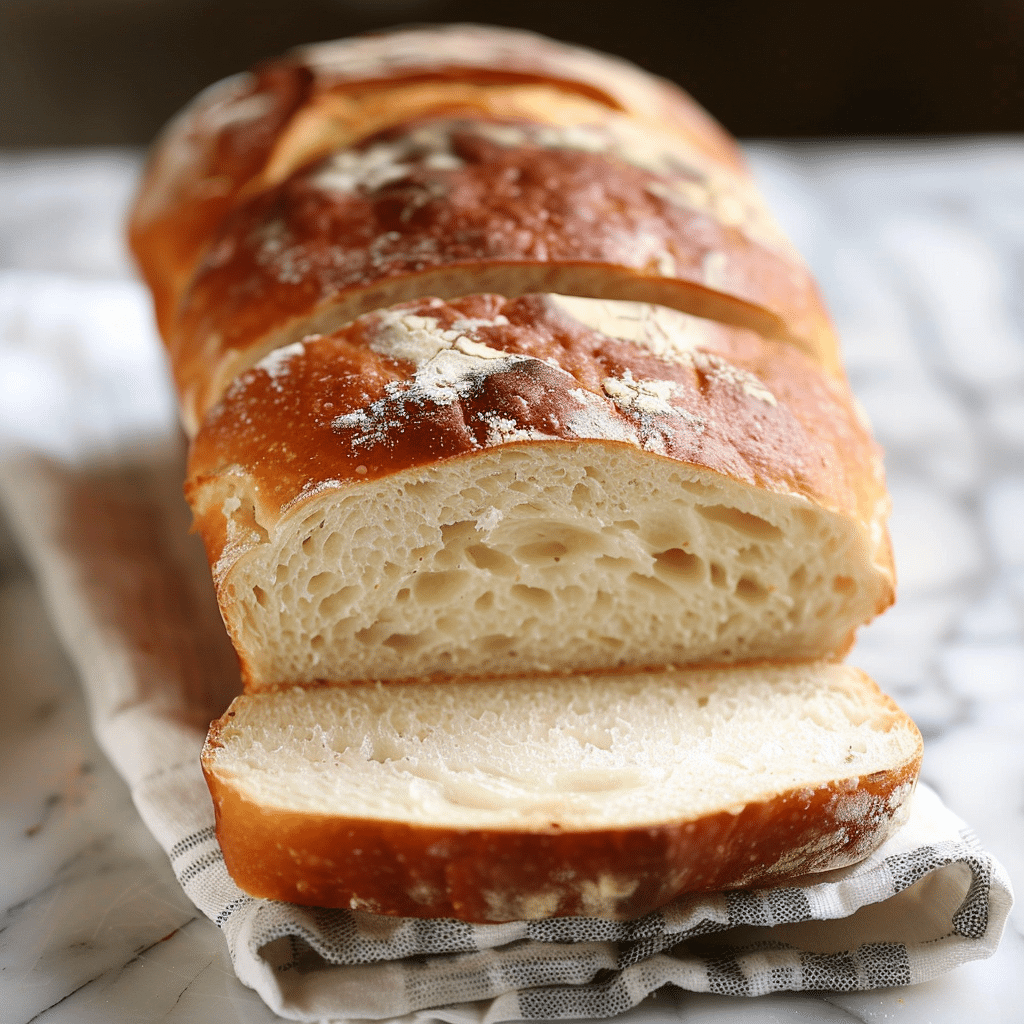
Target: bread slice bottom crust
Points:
x,y
604,796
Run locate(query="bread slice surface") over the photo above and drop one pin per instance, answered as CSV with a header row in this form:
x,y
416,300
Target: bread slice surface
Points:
x,y
603,794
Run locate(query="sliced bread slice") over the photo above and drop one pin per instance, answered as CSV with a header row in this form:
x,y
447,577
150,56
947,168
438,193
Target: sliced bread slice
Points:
x,y
540,797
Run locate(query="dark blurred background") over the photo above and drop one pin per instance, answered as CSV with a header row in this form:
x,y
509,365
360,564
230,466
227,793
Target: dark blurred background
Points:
x,y
88,72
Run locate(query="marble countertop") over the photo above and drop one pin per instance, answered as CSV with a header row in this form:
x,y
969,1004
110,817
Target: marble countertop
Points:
x,y
919,248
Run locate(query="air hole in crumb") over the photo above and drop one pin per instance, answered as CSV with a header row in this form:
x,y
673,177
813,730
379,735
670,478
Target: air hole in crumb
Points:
x,y
541,540
534,596
799,576
677,564
449,624
484,602
497,644
750,590
404,642
332,604
402,595
333,547
421,488
543,551
750,555
844,585
454,533
651,584
308,545
371,634
261,596
702,702
693,486
318,643
718,575
743,522
581,496
320,582
491,560
439,587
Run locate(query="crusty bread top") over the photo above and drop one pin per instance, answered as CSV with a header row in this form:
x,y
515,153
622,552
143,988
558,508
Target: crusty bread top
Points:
x,y
449,207
462,51
250,131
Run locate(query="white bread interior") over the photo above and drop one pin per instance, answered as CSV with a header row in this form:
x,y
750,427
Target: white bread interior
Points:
x,y
541,557
593,752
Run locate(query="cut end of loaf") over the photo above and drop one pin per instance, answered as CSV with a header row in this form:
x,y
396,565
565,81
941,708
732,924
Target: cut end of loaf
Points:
x,y
544,559
598,796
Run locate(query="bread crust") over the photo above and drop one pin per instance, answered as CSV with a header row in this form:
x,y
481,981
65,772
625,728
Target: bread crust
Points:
x,y
492,875
449,208
456,52
250,131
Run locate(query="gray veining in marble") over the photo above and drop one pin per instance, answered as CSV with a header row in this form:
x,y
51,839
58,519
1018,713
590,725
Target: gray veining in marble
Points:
x,y
920,251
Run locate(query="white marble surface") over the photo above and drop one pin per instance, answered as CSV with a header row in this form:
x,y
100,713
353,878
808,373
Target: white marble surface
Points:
x,y
920,250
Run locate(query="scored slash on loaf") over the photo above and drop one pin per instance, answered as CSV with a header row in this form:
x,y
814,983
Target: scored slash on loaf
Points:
x,y
496,367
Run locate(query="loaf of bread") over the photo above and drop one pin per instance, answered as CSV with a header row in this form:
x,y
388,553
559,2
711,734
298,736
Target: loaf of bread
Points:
x,y
602,796
515,421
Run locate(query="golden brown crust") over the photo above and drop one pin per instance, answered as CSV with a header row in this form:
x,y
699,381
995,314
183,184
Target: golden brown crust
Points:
x,y
249,132
339,413
463,52
491,875
199,166
448,208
